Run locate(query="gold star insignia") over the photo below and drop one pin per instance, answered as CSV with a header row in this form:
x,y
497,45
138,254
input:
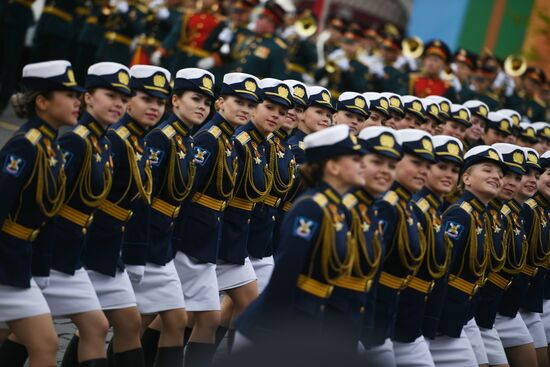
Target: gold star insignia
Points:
x,y
338,226
517,231
257,160
281,155
138,157
479,230
228,152
497,229
410,221
181,155
364,227
97,157
437,227
53,161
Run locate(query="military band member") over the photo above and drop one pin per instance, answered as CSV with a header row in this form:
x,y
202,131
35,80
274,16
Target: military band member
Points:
x,y
89,37
479,112
527,100
33,188
352,110
457,123
378,109
301,54
428,82
464,64
497,128
394,78
482,81
298,301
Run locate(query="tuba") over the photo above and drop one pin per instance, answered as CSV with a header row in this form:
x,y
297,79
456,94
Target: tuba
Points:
x,y
413,47
515,65
306,25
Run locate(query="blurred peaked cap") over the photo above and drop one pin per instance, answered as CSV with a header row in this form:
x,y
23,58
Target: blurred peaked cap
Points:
x,y
49,75
414,105
448,148
460,114
528,132
499,122
514,115
243,86
477,108
535,73
377,102
354,102
299,92
545,160
532,158
152,80
438,48
331,142
381,140
196,79
513,156
109,75
483,153
467,57
321,97
417,142
277,91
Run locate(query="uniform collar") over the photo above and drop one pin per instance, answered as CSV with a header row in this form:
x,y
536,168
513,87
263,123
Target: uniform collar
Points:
x,y
541,200
254,133
330,193
514,206
298,134
364,196
401,191
430,197
89,121
222,124
496,204
473,201
45,128
180,126
134,127
281,134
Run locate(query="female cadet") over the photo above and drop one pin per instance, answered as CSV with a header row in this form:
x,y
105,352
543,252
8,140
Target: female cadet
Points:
x,y
457,123
107,96
296,113
378,109
352,110
499,278
414,117
478,118
396,110
465,223
68,290
268,118
32,183
147,247
198,229
314,250
433,115
405,275
383,148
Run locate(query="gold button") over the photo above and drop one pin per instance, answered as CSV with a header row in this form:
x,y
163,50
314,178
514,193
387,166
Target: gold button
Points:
x,y
224,204
129,215
84,230
34,234
122,229
369,285
89,221
273,218
278,202
362,309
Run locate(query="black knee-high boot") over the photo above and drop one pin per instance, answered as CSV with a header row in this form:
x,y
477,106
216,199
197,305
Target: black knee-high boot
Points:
x,y
230,340
169,357
70,358
199,354
130,358
13,354
220,334
99,362
149,343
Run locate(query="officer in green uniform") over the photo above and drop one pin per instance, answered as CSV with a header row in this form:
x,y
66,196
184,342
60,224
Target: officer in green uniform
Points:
x,y
15,18
81,13
54,31
395,79
89,38
123,23
465,62
482,81
267,52
302,54
527,100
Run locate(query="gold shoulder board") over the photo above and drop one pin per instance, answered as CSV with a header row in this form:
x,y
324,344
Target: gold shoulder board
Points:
x,y
33,135
467,207
302,145
215,131
423,205
532,203
243,137
280,43
81,131
320,199
169,131
505,210
391,197
350,201
123,132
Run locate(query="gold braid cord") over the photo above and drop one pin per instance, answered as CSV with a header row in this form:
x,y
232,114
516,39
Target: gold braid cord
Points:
x,y
537,253
497,261
513,264
359,241
401,242
222,170
280,187
173,182
251,192
48,205
435,269
144,186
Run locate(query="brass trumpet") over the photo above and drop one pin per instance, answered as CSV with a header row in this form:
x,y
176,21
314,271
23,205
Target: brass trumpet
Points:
x,y
306,26
413,47
515,65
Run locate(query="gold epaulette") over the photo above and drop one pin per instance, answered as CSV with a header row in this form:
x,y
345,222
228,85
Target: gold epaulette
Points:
x,y
33,135
423,205
280,43
467,207
320,199
81,131
215,131
243,138
505,210
349,201
169,131
302,145
391,197
532,203
123,132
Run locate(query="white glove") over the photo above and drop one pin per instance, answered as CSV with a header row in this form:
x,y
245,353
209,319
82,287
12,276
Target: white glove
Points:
x,y
342,63
226,35
155,4
163,13
135,272
42,282
155,58
122,7
206,63
456,84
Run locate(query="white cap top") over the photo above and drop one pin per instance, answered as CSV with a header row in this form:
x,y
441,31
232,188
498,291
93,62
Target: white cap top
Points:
x,y
439,99
193,73
329,136
270,82
505,148
372,96
145,71
407,99
46,69
374,131
530,151
316,90
545,154
107,68
235,78
346,96
408,135
509,113
440,140
480,149
473,103
537,125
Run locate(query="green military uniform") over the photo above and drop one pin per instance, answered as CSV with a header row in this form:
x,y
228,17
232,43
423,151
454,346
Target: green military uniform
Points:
x,y
394,81
15,19
302,57
54,31
460,96
82,12
157,30
492,100
120,30
265,57
89,38
531,107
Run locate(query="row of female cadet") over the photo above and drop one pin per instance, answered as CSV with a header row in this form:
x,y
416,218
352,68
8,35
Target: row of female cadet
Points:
x,y
397,245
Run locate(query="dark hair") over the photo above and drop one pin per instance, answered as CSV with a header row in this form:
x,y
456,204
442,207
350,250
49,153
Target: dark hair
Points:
x,y
312,173
24,103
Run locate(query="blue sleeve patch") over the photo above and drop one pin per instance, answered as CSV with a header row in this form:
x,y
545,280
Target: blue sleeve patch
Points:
x,y
454,230
155,156
201,155
304,228
14,165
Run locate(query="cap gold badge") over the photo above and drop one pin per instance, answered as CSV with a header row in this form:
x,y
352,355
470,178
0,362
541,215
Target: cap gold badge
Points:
x,y
283,92
434,110
504,125
325,96
483,111
463,114
159,80
531,157
417,106
250,86
207,82
453,148
123,77
427,144
518,157
299,92
494,155
444,107
395,102
387,141
359,102
384,103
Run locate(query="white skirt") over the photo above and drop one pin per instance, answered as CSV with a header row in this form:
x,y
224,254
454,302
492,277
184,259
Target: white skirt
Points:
x,y
263,269
472,332
415,354
114,293
545,316
19,303
512,331
452,352
159,290
536,329
380,355
70,294
198,282
232,276
493,346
